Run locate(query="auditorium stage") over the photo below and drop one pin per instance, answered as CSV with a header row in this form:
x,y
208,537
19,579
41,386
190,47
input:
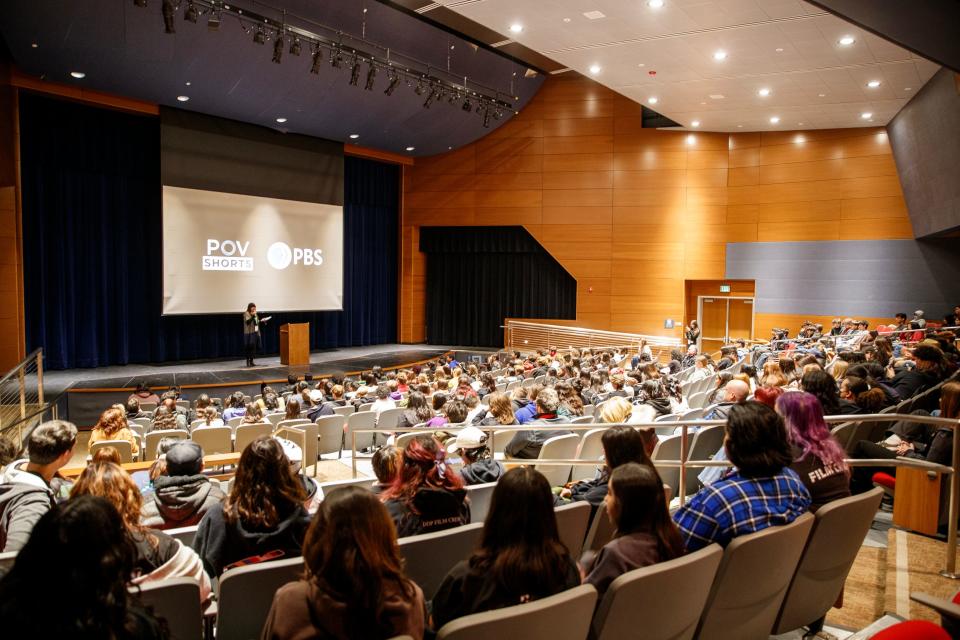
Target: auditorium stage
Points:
x,y
86,392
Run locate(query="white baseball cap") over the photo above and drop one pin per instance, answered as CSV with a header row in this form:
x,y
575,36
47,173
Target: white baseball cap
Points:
x,y
468,438
316,395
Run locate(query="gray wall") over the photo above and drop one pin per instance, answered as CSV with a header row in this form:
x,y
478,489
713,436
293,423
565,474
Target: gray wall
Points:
x,y
925,138
869,278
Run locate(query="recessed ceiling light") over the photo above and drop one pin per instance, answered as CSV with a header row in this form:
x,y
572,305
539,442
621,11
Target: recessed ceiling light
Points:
x,y
187,83
655,4
873,84
907,88
653,100
516,28
716,96
566,19
594,15
411,148
774,120
739,126
764,92
34,45
799,138
866,115
354,136
720,55
695,123
846,41
641,65
182,98
79,75
594,69
691,139
281,120
821,95
779,49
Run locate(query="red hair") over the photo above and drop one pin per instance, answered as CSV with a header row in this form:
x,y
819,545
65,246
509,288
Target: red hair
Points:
x,y
424,464
768,395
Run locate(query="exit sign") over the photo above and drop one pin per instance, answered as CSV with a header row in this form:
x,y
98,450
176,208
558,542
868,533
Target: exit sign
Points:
x,y
724,288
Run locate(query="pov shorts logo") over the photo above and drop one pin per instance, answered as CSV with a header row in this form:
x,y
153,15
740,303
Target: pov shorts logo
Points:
x,y
280,255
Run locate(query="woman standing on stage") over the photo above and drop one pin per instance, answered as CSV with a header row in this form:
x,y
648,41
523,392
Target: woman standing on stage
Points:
x,y
251,333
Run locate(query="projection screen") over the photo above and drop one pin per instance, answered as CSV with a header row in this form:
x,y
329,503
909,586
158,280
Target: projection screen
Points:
x,y
223,250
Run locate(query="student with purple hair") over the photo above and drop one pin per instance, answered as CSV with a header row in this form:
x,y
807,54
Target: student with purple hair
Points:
x,y
817,456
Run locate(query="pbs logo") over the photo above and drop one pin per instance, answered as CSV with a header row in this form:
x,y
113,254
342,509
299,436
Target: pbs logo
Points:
x,y
280,255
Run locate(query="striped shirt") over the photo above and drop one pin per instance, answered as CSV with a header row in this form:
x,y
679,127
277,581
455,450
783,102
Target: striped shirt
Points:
x,y
736,506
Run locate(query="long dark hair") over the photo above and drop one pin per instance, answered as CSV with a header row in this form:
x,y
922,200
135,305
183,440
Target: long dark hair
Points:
x,y
757,440
417,404
84,546
351,553
642,507
520,548
265,489
824,386
623,444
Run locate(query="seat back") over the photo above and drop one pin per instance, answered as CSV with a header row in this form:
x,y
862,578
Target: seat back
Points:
x,y
153,439
480,496
184,534
389,418
143,422
345,410
6,561
233,423
591,448
429,557
247,433
572,522
500,439
291,422
246,593
559,447
123,447
668,449
330,432
360,420
327,487
589,410
404,439
213,439
752,581
565,616
838,532
176,600
582,420
275,418
366,406
706,443
306,433
665,599
601,530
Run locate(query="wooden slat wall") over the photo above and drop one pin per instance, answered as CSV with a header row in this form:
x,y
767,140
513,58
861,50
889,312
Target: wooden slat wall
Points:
x,y
632,213
11,263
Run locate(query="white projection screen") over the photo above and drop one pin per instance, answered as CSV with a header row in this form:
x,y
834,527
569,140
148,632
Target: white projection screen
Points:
x,y
224,250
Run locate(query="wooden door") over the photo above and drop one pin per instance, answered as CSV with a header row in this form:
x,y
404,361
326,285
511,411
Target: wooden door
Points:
x,y
740,319
713,324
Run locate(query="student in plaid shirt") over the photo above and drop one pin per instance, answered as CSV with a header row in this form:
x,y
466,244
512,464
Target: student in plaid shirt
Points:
x,y
760,492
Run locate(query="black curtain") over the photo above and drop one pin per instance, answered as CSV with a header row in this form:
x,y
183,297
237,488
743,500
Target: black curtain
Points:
x,y
92,248
478,276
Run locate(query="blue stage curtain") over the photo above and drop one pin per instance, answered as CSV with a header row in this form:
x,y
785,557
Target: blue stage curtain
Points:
x,y
93,256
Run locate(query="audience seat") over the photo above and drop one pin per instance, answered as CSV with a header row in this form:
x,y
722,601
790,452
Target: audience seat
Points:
x,y
123,447
233,423
345,411
664,600
388,418
601,530
572,522
176,600
6,561
330,433
752,581
213,439
183,534
246,593
275,418
837,535
327,487
480,496
430,556
706,443
564,616
358,421
403,439
558,448
591,448
153,439
668,449
247,433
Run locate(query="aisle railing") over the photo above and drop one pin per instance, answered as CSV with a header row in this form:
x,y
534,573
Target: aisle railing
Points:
x,y
22,402
526,335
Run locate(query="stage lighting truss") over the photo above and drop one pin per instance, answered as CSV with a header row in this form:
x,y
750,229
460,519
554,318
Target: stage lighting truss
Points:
x,y
447,88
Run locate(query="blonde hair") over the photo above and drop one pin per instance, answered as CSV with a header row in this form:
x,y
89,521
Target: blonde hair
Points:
x,y
616,409
839,369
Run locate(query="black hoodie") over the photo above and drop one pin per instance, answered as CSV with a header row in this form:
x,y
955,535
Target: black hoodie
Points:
x,y
431,509
482,471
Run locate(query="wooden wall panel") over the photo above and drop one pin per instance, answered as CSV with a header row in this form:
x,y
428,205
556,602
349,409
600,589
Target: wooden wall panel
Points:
x,y
634,213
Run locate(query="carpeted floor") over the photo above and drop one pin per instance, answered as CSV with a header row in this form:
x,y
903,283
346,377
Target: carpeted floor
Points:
x,y
863,595
913,563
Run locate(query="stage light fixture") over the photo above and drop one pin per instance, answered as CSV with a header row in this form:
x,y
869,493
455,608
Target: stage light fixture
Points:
x,y
430,97
259,36
486,118
336,58
317,61
139,3
355,72
419,88
213,22
277,57
467,105
295,46
371,76
191,13
392,84
169,10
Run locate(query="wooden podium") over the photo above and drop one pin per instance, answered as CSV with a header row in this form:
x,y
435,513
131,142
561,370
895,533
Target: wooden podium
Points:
x,y
295,344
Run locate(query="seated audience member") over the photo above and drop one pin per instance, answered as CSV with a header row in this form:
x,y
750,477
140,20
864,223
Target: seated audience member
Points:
x,y
527,443
235,406
520,557
773,375
169,403
386,466
271,403
653,401
354,585
106,454
144,394
912,442
527,411
113,426
761,492
426,495
157,556
478,463
253,414
637,507
839,370
822,385
869,399
164,420
133,409
292,409
416,412
210,417
701,369
621,445
499,412
31,487
82,549
263,516
768,395
615,410
817,456
182,494
474,408
383,401
734,393
928,371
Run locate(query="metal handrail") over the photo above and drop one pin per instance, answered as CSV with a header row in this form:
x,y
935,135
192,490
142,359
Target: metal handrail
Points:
x,y
22,364
954,499
631,337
